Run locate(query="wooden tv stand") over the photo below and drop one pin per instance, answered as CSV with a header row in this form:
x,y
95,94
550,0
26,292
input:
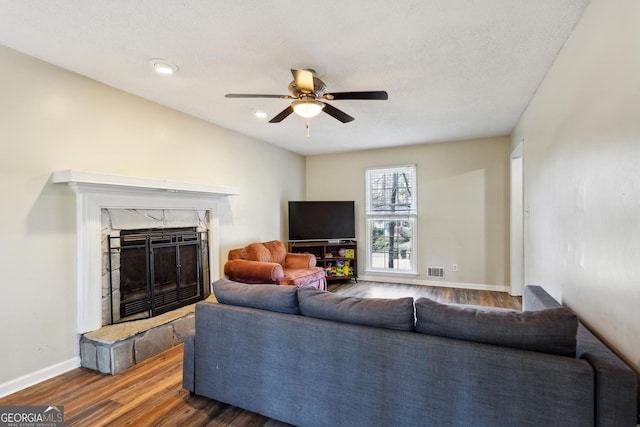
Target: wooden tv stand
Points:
x,y
329,256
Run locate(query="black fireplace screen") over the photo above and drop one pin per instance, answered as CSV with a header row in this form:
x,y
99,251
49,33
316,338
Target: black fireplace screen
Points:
x,y
159,270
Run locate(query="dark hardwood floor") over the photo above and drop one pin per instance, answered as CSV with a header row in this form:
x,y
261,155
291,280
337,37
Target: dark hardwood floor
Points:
x,y
151,394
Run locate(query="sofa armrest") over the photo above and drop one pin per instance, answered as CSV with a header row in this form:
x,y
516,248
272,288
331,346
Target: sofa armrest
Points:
x,y
615,382
245,271
299,260
536,298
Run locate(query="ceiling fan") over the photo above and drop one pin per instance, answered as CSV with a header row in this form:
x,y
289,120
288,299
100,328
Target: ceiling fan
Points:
x,y
309,96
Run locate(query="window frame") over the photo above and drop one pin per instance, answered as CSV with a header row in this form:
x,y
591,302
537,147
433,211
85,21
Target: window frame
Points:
x,y
408,214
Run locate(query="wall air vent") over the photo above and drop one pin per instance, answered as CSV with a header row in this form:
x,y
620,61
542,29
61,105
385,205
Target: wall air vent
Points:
x,y
435,272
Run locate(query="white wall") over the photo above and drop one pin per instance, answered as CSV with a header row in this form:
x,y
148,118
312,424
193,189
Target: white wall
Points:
x,y
582,175
463,206
51,119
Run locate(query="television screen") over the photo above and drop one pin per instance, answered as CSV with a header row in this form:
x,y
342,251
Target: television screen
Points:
x,y
328,220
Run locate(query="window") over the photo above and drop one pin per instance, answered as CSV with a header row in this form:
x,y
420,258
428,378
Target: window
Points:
x,y
391,219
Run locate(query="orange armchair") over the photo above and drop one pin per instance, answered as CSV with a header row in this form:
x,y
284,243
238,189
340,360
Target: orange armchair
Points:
x,y
269,262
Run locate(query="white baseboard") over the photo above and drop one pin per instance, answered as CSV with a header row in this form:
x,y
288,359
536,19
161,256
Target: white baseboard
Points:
x,y
440,283
38,376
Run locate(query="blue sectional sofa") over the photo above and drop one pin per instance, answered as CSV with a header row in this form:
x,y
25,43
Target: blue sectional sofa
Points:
x,y
312,358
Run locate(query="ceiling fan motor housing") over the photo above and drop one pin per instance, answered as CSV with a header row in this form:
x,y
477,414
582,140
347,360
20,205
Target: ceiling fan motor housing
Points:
x,y
319,89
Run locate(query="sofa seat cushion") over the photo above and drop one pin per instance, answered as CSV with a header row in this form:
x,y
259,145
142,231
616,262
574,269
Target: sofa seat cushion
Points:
x,y
301,276
379,312
282,299
551,330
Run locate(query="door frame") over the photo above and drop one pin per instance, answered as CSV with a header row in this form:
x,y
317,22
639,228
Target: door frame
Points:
x,y
516,235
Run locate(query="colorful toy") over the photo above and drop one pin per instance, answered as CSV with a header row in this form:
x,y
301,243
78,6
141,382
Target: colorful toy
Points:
x,y
339,268
346,268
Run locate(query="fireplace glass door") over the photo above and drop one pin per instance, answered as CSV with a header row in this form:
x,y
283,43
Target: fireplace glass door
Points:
x,y
160,270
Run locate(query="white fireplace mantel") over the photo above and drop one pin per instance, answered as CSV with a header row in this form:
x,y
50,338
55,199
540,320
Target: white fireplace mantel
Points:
x,y
97,191
120,182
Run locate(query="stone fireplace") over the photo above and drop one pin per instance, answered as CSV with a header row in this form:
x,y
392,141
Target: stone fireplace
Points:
x,y
105,206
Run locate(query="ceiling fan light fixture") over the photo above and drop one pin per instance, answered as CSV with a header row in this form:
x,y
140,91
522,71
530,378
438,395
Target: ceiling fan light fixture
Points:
x,y
307,108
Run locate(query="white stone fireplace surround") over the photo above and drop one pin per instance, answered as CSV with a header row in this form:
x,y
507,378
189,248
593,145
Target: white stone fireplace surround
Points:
x,y
97,191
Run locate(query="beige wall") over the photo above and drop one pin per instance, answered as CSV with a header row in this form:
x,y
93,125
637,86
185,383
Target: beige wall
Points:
x,y
51,119
581,136
463,204
582,187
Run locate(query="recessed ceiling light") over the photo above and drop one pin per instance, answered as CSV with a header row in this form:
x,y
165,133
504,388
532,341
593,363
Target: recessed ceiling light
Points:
x,y
260,114
163,67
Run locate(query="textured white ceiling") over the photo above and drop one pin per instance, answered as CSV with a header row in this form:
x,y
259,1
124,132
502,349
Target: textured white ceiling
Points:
x,y
454,69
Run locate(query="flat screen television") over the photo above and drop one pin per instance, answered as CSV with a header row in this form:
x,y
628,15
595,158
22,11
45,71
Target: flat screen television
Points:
x,y
321,220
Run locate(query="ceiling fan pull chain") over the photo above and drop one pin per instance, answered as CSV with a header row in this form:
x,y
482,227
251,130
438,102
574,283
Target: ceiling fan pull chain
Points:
x,y
308,135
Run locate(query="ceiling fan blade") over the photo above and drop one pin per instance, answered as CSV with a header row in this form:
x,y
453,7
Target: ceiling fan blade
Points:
x,y
375,94
254,95
282,115
338,114
304,80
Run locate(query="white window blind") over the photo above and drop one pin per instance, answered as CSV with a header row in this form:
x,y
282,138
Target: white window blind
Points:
x,y
391,190
391,213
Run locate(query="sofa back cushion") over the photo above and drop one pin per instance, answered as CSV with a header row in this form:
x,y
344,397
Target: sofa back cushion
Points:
x,y
234,254
256,252
272,251
282,299
278,251
381,313
551,330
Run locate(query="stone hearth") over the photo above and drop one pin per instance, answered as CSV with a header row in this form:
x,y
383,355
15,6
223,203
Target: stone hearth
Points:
x,y
114,348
